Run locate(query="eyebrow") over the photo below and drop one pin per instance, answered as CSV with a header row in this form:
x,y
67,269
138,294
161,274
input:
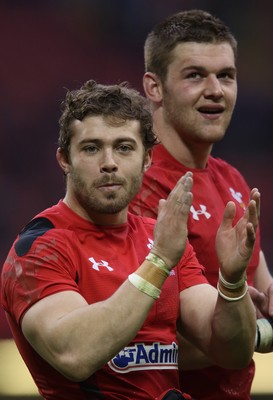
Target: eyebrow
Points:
x,y
202,69
100,141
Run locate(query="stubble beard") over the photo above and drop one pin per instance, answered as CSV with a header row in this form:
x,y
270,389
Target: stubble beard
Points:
x,y
105,203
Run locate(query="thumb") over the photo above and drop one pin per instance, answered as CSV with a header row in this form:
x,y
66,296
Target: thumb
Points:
x,y
161,204
260,302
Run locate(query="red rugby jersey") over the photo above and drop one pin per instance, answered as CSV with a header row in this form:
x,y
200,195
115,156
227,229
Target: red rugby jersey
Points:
x,y
57,251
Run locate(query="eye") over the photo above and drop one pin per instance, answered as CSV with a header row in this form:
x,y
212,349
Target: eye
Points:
x,y
91,149
227,76
194,75
124,148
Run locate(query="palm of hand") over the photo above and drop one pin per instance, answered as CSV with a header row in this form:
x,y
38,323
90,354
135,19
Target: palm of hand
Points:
x,y
233,244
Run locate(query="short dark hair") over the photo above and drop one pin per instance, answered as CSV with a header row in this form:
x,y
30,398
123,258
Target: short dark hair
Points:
x,y
116,102
185,26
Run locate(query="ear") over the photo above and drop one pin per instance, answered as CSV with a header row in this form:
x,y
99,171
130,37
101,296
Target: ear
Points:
x,y
152,87
147,160
63,163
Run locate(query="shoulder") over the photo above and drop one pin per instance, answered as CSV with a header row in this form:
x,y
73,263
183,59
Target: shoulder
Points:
x,y
223,169
33,230
219,163
162,159
49,224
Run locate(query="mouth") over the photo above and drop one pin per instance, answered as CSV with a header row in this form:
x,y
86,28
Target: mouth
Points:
x,y
211,110
109,186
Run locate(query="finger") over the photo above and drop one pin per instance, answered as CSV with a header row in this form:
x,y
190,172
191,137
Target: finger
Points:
x,y
179,194
256,196
184,183
270,296
251,235
256,296
252,213
161,205
260,301
185,203
229,215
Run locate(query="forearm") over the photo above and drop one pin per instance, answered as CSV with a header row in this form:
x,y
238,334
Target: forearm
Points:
x,y
190,357
230,343
233,333
83,340
101,330
224,331
76,338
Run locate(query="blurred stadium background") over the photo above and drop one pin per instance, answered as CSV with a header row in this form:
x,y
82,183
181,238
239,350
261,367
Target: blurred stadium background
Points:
x,y
47,46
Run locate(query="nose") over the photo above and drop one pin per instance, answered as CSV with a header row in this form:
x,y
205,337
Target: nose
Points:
x,y
108,163
213,87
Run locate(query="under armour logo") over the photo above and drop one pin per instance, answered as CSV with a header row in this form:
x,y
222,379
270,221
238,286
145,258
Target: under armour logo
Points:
x,y
237,196
202,211
150,244
96,265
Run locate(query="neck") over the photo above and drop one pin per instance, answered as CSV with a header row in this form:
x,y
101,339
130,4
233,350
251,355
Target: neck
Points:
x,y
180,146
96,218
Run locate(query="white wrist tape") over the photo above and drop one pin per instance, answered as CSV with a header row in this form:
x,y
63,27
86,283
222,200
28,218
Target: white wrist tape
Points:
x,y
264,335
144,286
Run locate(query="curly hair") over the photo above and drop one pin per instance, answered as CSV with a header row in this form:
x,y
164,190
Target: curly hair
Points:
x,y
117,103
185,26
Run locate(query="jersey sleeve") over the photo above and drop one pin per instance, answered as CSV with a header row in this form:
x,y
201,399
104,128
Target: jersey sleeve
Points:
x,y
46,268
190,271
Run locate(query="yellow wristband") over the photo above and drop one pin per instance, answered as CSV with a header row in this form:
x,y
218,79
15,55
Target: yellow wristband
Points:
x,y
158,262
